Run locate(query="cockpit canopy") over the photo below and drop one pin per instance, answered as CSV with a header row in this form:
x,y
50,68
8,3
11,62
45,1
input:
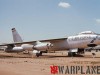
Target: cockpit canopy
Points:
x,y
86,32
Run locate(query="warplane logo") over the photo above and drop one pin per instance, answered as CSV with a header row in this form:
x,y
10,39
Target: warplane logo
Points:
x,y
75,70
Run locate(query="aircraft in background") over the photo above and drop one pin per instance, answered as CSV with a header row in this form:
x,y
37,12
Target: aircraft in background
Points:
x,y
20,46
74,44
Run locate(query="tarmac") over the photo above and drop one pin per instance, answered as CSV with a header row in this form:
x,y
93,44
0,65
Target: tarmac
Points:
x,y
28,64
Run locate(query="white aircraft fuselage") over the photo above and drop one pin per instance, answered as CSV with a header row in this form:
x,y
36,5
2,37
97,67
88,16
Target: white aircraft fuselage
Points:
x,y
80,41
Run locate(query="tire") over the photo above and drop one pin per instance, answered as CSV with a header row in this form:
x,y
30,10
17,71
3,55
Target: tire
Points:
x,y
37,54
71,54
40,53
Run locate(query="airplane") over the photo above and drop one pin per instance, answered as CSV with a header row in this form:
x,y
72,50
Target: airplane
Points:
x,y
74,44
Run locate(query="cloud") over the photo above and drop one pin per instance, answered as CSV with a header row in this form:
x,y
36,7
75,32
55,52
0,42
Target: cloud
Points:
x,y
64,5
98,21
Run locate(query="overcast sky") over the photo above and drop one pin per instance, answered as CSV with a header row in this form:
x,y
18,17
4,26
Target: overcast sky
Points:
x,y
46,19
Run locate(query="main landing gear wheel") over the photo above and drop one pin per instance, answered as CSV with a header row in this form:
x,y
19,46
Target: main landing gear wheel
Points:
x,y
39,54
71,54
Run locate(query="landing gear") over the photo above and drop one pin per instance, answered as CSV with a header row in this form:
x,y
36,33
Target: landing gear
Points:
x,y
71,54
74,52
39,54
80,51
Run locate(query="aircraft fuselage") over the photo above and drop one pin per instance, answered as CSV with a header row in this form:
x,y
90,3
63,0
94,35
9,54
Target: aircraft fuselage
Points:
x,y
78,41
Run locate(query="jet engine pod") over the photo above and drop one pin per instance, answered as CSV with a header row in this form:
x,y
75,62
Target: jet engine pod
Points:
x,y
14,49
27,46
43,46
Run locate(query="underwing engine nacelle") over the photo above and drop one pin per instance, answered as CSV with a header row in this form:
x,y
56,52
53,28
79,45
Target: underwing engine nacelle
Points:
x,y
42,46
14,49
27,46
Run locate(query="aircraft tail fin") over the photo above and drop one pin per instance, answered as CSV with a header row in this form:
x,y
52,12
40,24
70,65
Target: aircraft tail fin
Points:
x,y
16,36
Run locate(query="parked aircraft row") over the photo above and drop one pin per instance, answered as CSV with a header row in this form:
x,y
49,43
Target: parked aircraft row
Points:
x,y
74,44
